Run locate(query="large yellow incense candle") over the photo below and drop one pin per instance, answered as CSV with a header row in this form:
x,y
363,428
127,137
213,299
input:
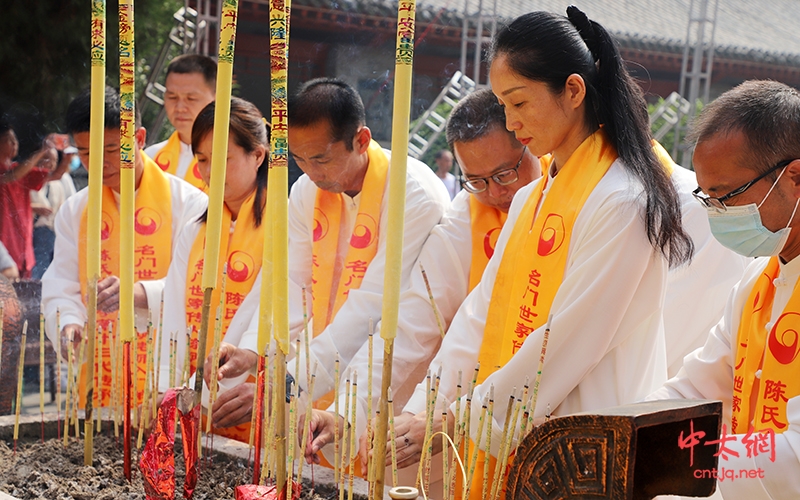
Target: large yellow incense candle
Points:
x,y
222,115
127,168
94,204
404,60
278,181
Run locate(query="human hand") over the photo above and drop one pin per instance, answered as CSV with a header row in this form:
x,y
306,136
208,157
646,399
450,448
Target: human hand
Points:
x,y
410,432
233,362
321,432
139,296
234,406
11,272
70,333
108,294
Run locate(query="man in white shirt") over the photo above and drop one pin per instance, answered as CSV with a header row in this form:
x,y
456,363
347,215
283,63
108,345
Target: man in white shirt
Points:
x,y
747,161
63,285
444,163
495,166
190,85
338,214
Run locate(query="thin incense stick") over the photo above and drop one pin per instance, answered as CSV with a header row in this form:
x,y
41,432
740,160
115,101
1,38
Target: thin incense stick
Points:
x,y
58,364
428,414
343,459
506,423
116,358
393,437
213,388
292,436
41,371
2,316
306,336
173,347
488,455
431,416
445,481
539,371
20,371
159,340
450,473
352,457
81,359
70,385
479,435
370,352
307,422
432,300
337,376
502,459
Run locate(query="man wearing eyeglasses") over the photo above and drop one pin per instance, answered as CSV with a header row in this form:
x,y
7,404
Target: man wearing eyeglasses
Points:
x,y
747,161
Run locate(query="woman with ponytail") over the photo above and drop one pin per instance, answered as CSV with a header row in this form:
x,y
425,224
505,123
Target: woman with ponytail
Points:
x,y
241,247
585,250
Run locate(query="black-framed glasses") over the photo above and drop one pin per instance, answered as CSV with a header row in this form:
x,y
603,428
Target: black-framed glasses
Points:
x,y
718,203
502,178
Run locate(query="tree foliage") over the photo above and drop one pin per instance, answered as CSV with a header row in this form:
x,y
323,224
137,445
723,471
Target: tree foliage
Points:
x,y
44,57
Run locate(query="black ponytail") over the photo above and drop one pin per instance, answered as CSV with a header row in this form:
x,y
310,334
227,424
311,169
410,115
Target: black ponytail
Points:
x,y
548,48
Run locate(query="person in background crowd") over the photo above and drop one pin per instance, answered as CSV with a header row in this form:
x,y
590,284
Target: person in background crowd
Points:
x,y
16,181
444,164
190,86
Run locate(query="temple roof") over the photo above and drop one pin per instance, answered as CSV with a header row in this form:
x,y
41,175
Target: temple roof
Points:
x,y
766,31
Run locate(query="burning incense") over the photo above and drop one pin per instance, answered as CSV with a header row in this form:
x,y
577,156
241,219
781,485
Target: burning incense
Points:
x,y
20,371
433,301
159,340
404,60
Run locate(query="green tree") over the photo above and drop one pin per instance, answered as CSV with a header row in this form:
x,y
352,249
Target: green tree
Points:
x,y
44,57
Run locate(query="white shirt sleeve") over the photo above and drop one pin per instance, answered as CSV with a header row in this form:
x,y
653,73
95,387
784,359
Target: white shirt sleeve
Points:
x,y
426,201
606,342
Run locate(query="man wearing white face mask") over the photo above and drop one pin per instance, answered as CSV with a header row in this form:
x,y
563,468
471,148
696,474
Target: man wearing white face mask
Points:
x,y
747,161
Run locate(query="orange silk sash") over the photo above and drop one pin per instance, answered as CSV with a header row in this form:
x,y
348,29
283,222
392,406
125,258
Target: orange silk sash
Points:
x,y
244,249
169,157
152,254
774,354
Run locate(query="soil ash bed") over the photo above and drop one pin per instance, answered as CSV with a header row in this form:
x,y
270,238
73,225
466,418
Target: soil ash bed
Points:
x,y
52,472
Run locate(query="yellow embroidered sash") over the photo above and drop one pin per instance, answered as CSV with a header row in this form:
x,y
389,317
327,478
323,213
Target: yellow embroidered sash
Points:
x,y
152,254
774,353
169,157
363,242
525,288
486,223
244,249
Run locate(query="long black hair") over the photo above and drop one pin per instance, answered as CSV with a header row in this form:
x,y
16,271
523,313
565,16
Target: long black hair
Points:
x,y
548,48
249,130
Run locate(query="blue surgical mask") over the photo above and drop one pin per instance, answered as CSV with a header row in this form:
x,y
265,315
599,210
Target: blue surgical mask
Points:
x,y
75,163
740,229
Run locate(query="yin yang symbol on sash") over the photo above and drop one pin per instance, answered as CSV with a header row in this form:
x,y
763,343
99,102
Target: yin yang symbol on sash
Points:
x,y
552,236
